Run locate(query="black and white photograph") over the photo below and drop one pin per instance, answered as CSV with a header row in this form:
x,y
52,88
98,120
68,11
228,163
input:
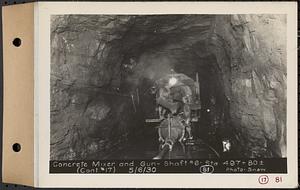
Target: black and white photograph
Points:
x,y
168,86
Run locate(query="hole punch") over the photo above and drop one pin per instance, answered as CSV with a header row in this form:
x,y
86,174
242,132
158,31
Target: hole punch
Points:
x,y
17,42
16,147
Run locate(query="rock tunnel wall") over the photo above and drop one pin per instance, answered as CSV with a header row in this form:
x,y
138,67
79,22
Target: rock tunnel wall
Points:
x,y
87,116
252,59
98,62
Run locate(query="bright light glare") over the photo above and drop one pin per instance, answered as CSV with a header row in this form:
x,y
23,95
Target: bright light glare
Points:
x,y
172,81
226,145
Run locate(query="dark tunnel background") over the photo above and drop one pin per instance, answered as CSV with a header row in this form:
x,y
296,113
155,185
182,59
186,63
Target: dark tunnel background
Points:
x,y
103,66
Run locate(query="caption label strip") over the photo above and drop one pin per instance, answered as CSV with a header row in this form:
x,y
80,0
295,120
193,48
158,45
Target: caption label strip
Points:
x,y
274,165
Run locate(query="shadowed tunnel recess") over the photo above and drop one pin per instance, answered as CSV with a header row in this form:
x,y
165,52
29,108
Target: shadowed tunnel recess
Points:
x,y
103,66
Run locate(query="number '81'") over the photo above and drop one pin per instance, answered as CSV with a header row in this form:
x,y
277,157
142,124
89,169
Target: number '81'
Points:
x,y
206,169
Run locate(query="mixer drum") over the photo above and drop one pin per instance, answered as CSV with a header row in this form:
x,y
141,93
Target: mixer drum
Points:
x,y
171,130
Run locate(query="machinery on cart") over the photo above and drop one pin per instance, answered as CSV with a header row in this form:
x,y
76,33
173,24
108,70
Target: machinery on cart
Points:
x,y
178,108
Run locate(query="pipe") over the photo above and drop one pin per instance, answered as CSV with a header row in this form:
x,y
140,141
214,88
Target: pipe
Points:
x,y
161,154
138,96
197,86
169,125
133,104
212,149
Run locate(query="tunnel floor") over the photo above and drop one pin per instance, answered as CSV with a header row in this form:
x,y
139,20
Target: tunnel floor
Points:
x,y
197,151
147,147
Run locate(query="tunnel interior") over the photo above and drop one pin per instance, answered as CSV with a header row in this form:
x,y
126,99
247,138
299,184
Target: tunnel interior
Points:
x,y
103,68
